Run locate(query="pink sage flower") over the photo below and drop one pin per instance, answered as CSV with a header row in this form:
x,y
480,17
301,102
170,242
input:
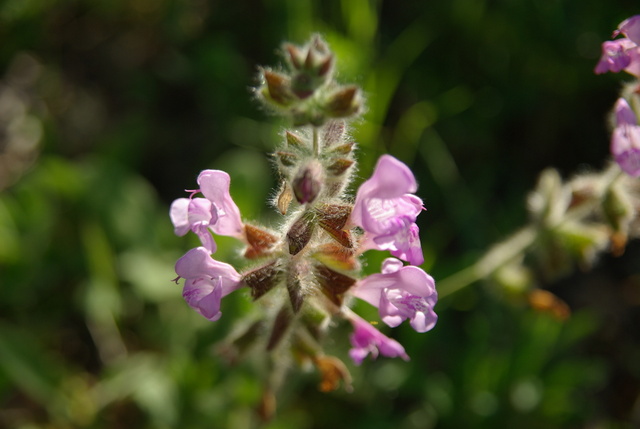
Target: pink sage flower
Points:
x,y
216,211
625,140
207,281
401,293
616,56
630,28
386,209
367,340
622,54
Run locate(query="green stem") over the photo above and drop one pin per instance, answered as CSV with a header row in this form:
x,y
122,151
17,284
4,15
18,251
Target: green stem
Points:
x,y
316,145
497,257
505,252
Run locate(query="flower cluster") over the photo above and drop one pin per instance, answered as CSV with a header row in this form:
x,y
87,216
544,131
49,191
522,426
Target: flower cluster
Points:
x,y
622,54
309,270
618,55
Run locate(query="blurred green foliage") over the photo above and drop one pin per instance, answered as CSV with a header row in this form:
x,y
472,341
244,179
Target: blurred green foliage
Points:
x,y
110,108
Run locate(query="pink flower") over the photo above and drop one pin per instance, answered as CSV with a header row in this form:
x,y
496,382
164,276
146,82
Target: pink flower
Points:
x,y
625,140
386,209
615,56
630,27
367,340
207,281
216,211
401,293
622,54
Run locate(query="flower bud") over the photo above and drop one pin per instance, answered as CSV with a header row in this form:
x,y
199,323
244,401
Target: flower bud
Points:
x,y
344,102
344,149
294,287
287,159
260,241
333,219
294,140
277,88
333,284
263,279
295,57
339,166
307,183
300,233
284,198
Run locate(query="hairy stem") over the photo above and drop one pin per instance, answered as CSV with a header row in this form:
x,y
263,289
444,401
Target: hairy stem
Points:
x,y
506,251
316,145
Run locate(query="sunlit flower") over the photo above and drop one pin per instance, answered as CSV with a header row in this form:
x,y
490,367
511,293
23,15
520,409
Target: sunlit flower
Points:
x,y
367,340
401,293
216,211
207,281
386,209
622,54
630,28
616,56
625,140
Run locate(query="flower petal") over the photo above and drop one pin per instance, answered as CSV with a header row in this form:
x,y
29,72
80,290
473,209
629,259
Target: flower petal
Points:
x,y
179,213
214,185
630,27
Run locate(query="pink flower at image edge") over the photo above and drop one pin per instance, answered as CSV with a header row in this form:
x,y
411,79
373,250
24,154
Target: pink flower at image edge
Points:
x,y
625,140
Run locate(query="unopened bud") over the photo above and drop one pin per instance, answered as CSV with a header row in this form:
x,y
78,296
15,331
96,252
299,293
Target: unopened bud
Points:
x,y
260,241
332,219
310,61
263,279
303,85
344,149
294,140
295,57
307,183
336,256
287,159
294,287
339,166
277,89
325,66
333,284
344,102
284,198
300,233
